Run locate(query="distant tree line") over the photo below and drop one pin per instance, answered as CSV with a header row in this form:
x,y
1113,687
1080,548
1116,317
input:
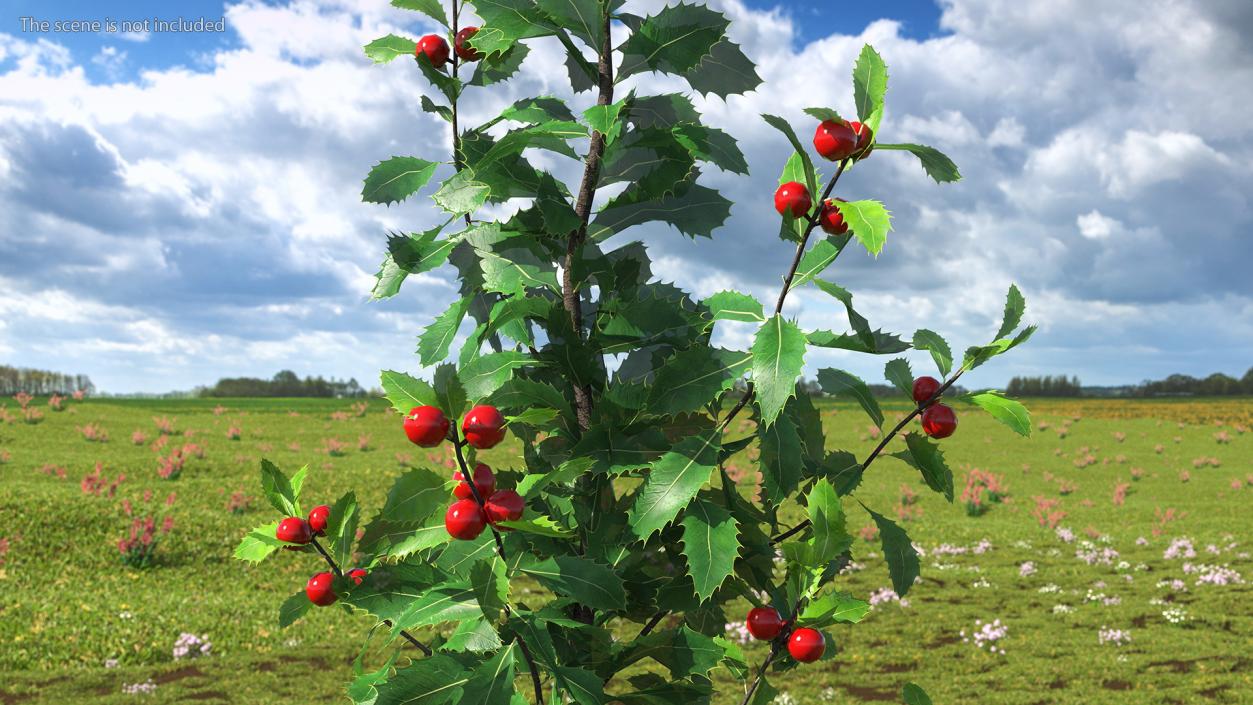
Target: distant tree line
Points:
x,y
1047,386
1215,385
41,382
284,384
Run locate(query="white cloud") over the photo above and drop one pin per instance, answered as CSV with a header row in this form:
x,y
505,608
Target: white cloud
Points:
x,y
1096,226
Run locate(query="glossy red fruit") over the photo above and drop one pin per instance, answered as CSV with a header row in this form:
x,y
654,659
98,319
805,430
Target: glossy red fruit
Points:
x,y
319,590
793,198
357,575
939,421
764,623
865,136
464,520
483,427
806,645
293,530
925,388
835,140
459,44
317,519
435,48
484,481
426,426
505,505
830,218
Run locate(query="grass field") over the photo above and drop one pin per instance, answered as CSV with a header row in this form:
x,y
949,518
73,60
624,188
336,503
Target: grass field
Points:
x,y
78,626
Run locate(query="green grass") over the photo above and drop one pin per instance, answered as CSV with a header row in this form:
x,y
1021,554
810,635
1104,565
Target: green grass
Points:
x,y
67,604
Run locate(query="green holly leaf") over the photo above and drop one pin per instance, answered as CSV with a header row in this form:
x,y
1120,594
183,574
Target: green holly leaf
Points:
x,y
838,382
818,257
938,166
858,323
507,21
539,526
898,551
341,528
476,635
461,194
604,119
978,355
711,145
693,377
448,602
393,180
734,306
431,8
385,49
583,18
497,67
673,41
811,179
869,222
694,210
405,392
725,71
831,608
293,608
913,694
587,581
928,459
444,83
487,373
258,544
824,114
279,490
900,375
826,514
1008,411
672,482
414,496
870,84
434,342
536,111
782,458
434,108
711,545
433,680
1015,307
881,344
584,686
778,359
931,341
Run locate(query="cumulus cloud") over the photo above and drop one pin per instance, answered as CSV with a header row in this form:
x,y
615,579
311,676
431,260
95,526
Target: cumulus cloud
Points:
x,y
206,221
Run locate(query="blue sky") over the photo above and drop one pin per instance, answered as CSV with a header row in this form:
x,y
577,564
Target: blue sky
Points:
x,y
179,207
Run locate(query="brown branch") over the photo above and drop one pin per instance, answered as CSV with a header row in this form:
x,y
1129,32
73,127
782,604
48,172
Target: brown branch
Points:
x,y
340,573
570,295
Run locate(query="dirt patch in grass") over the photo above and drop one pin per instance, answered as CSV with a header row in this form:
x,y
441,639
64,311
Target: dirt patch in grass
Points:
x,y
868,693
178,675
1116,685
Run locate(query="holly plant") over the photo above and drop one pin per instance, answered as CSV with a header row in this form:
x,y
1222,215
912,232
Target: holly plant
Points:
x,y
602,562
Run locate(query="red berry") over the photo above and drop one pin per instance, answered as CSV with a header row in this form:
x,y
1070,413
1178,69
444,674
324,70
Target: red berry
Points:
x,y
793,198
925,388
939,421
317,519
865,136
764,623
483,427
319,590
426,426
293,530
464,520
484,481
435,48
806,645
831,219
357,575
835,140
505,505
459,44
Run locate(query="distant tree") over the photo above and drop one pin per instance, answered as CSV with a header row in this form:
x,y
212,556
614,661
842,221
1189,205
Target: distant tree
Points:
x,y
1048,386
284,384
41,382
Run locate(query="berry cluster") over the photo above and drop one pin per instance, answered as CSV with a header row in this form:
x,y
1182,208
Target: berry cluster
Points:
x,y
300,532
938,420
805,645
478,503
836,140
435,48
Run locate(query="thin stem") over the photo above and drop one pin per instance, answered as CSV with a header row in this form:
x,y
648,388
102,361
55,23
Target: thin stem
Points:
x,y
652,624
774,653
918,409
340,573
